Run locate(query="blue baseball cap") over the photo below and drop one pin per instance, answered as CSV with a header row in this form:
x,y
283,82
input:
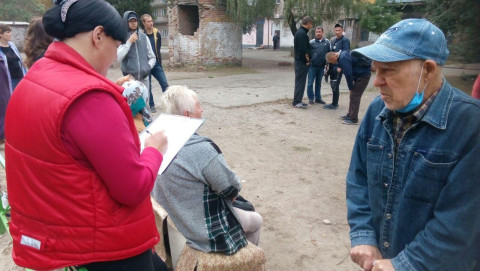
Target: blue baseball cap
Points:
x,y
408,39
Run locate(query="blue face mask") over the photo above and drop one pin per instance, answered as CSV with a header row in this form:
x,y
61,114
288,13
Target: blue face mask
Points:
x,y
416,100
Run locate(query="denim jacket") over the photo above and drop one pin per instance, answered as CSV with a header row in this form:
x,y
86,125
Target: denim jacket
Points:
x,y
420,206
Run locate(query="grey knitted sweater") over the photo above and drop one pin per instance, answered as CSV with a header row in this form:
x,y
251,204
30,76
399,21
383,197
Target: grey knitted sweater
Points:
x,y
196,190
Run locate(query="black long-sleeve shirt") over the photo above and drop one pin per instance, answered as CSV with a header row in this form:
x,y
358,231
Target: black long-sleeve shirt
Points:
x,y
301,44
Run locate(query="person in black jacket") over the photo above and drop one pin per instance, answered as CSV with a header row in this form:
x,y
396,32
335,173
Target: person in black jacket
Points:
x,y
157,71
320,48
276,41
303,52
338,43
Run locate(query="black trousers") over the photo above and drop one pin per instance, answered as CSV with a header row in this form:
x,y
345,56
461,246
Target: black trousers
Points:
x,y
359,87
336,88
147,261
301,72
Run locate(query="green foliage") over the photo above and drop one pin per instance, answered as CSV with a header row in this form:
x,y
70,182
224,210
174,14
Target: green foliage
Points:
x,y
460,21
20,10
378,16
246,12
46,3
319,10
139,6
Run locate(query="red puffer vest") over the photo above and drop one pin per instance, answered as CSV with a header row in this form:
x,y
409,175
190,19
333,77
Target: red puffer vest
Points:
x,y
62,213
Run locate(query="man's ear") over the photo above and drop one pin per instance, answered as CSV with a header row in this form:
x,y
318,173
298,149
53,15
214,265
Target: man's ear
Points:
x,y
98,34
430,68
185,113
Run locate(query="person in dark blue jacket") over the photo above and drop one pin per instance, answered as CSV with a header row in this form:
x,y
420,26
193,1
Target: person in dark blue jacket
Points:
x,y
338,43
320,48
357,73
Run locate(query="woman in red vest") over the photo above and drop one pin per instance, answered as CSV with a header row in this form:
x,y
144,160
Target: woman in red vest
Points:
x,y
79,189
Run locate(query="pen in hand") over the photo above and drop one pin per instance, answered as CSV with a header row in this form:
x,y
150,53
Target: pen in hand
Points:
x,y
158,140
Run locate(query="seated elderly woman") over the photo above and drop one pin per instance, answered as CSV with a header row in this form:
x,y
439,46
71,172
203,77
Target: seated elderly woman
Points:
x,y
197,189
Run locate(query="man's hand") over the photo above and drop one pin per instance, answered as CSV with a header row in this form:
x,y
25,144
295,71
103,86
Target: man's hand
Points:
x,y
133,38
383,265
364,255
339,70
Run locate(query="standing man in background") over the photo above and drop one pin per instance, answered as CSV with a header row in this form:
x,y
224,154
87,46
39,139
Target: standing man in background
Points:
x,y
157,71
320,47
276,41
136,54
301,47
338,43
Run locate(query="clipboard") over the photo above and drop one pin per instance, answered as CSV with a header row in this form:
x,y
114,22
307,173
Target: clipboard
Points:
x,y
178,130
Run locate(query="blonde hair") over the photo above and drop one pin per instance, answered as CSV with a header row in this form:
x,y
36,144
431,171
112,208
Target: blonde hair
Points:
x,y
144,17
178,99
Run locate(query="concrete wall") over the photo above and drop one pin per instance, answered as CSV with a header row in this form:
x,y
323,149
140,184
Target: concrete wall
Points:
x,y
221,43
216,41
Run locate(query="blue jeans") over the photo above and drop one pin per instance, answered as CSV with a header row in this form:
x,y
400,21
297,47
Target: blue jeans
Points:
x,y
314,74
159,74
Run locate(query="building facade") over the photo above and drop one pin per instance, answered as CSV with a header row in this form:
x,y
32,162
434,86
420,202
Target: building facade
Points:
x,y
160,15
262,34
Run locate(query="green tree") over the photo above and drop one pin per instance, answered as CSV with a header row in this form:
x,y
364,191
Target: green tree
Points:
x,y
378,16
139,6
246,12
460,21
46,3
319,10
20,10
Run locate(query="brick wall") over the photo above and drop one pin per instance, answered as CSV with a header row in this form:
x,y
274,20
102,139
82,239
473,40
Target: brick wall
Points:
x,y
216,41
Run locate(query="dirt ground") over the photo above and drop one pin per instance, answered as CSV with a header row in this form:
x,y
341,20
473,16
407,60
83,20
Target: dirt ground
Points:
x,y
293,161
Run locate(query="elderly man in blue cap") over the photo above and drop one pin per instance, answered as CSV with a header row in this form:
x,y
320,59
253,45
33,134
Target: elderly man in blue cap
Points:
x,y
413,186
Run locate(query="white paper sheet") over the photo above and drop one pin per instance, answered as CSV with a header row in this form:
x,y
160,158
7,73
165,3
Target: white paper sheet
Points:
x,y
178,130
